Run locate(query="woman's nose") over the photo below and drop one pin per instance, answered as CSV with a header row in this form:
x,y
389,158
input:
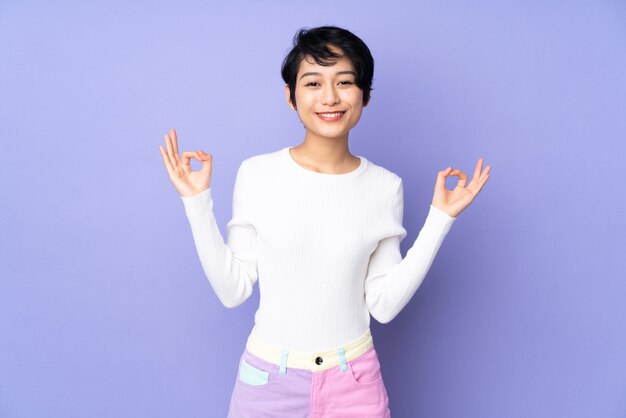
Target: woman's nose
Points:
x,y
329,95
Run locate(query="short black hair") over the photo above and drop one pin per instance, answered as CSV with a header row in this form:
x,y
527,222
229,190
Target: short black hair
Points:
x,y
315,42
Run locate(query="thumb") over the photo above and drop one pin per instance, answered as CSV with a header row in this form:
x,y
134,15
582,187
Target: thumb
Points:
x,y
207,160
441,178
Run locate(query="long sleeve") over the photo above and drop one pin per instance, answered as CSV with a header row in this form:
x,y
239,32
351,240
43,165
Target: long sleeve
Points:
x,y
231,267
391,281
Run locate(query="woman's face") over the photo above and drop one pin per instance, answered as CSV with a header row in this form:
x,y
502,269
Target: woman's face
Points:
x,y
328,101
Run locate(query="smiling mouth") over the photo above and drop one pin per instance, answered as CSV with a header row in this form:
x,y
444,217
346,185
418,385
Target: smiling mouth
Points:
x,y
331,116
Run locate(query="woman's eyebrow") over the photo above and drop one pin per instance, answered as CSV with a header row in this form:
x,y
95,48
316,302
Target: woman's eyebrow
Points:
x,y
337,73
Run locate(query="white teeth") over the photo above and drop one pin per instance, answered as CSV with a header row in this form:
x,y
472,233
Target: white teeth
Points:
x,y
331,115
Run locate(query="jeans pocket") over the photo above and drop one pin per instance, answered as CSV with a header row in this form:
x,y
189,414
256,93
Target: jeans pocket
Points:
x,y
252,375
365,369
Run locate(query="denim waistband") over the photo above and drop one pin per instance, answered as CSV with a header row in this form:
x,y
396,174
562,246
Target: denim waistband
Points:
x,y
314,361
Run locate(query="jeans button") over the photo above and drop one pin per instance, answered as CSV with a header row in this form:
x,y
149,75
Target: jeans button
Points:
x,y
319,361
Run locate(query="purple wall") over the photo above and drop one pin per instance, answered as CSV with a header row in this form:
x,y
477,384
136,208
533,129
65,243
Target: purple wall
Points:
x,y
104,308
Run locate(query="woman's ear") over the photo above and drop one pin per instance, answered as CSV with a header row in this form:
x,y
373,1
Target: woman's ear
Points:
x,y
288,97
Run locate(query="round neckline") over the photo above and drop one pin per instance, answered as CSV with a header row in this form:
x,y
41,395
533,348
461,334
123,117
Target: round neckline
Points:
x,y
293,163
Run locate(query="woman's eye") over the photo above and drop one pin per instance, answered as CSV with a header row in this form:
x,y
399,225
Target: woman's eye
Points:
x,y
315,83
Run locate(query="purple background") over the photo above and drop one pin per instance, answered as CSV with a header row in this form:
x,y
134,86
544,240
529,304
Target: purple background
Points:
x,y
104,308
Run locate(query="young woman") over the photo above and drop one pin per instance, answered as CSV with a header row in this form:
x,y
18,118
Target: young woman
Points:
x,y
320,230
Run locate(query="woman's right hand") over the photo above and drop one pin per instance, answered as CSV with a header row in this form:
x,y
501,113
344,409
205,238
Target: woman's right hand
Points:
x,y
187,182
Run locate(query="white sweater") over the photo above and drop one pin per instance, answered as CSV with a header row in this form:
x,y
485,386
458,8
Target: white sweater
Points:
x,y
325,249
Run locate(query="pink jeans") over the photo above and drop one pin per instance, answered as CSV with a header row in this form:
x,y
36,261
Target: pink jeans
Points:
x,y
355,388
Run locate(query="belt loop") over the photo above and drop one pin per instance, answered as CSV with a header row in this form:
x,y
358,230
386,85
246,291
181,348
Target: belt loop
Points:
x,y
283,362
342,359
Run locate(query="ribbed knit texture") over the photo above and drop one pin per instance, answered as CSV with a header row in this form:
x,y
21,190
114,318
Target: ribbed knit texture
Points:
x,y
324,248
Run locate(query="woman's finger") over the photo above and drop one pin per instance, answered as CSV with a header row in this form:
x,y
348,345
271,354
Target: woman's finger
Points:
x,y
478,169
170,152
462,177
166,161
175,144
475,186
187,155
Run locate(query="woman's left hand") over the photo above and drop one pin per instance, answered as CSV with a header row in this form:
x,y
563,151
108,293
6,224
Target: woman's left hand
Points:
x,y
455,201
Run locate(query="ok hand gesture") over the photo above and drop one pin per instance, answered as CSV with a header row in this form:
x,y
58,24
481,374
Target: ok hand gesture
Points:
x,y
455,201
187,182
